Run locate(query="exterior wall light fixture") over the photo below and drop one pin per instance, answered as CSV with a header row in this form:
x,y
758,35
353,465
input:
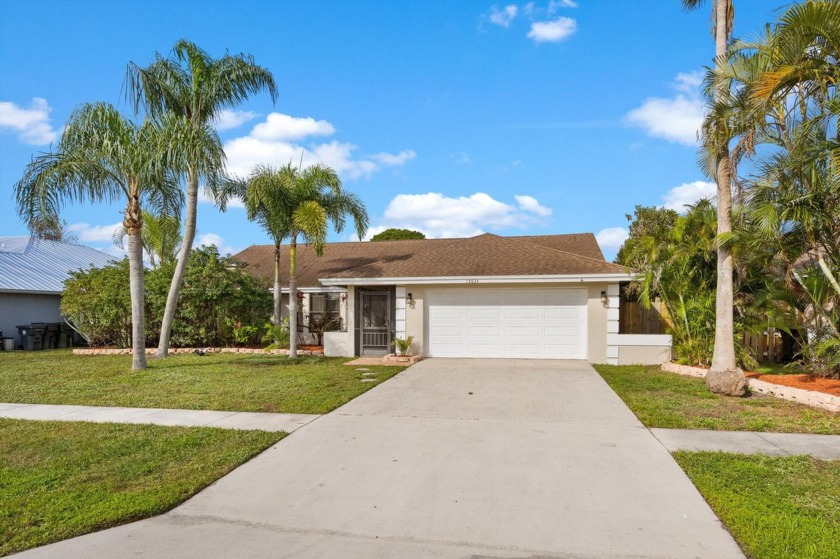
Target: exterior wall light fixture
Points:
x,y
604,300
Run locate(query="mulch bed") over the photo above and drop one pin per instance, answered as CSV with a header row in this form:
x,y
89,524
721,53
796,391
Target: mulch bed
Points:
x,y
806,382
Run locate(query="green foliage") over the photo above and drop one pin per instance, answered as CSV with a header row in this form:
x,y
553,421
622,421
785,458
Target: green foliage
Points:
x,y
98,304
220,303
277,335
217,295
394,234
65,479
646,221
776,507
403,345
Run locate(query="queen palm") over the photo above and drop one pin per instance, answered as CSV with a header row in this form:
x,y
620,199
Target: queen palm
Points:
x,y
724,376
196,87
102,157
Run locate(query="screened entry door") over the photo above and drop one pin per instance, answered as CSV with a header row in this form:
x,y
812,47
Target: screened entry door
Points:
x,y
376,323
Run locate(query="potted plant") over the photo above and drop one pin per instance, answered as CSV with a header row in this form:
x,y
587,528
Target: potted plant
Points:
x,y
403,345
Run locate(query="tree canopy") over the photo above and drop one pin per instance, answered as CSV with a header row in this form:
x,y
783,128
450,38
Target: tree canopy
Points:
x,y
395,234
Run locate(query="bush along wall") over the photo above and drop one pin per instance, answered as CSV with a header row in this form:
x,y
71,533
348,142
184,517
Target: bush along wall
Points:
x,y
219,300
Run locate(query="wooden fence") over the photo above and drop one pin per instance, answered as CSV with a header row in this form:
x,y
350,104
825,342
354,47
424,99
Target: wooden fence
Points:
x,y
767,346
634,318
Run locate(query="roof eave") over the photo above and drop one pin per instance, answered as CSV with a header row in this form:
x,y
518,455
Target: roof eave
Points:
x,y
564,278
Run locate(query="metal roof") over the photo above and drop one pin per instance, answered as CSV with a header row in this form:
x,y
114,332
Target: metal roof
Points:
x,y
32,265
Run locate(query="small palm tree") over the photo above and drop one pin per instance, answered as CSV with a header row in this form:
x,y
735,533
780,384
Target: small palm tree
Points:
x,y
161,237
195,87
266,197
103,157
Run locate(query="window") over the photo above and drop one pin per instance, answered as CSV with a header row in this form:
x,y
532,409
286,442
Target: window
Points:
x,y
325,312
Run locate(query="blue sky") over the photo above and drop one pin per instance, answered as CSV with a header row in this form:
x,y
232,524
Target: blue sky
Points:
x,y
454,118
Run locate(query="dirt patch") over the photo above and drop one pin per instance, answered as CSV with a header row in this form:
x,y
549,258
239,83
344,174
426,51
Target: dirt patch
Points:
x,y
311,348
805,382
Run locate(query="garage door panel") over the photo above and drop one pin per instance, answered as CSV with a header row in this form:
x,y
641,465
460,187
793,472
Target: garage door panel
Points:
x,y
507,322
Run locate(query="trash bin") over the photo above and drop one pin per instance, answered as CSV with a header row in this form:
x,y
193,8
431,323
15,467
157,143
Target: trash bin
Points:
x,y
26,342
8,344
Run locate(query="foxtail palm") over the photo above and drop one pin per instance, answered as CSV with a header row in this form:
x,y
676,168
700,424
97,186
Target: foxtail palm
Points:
x,y
724,376
196,87
314,198
103,157
266,197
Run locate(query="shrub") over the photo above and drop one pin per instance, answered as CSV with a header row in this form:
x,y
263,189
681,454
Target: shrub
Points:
x,y
97,302
220,304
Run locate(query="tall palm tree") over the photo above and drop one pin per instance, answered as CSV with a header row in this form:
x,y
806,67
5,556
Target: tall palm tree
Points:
x,y
314,198
161,237
103,157
724,376
266,197
196,87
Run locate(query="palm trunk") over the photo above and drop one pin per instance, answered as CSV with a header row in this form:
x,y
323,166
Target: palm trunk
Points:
x,y
133,224
278,288
292,299
724,377
180,265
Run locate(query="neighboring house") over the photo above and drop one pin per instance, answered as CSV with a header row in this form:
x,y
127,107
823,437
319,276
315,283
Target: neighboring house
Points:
x,y
32,274
541,297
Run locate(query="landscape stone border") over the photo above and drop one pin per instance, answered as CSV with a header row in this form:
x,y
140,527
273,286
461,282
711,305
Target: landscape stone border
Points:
x,y
183,350
808,397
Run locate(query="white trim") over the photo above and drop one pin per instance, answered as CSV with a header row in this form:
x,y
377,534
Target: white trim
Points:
x,y
639,340
330,289
473,280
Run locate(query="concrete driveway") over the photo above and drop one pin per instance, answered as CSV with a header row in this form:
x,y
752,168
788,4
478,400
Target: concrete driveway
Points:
x,y
451,458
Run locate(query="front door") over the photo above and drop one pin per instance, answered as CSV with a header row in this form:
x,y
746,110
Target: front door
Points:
x,y
376,323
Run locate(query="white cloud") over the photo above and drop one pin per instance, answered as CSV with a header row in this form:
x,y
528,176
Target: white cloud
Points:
x,y
461,158
395,159
552,31
208,239
32,124
278,126
277,141
676,119
93,233
530,204
440,216
528,8
227,119
504,16
689,193
554,5
611,238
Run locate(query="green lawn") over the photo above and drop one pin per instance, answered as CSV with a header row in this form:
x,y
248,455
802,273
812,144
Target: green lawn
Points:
x,y
777,508
672,401
227,381
64,479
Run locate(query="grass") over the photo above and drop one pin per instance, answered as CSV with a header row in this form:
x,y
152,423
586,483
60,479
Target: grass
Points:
x,y
672,401
776,508
779,369
64,479
228,381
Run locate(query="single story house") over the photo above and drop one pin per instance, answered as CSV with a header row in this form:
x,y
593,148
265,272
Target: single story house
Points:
x,y
32,275
533,297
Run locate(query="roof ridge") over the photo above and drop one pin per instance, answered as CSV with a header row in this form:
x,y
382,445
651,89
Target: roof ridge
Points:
x,y
396,257
603,261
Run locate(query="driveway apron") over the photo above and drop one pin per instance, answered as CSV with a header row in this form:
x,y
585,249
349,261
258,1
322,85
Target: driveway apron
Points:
x,y
451,458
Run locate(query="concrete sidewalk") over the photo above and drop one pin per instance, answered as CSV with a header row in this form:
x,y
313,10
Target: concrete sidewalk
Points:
x,y
184,418
451,458
825,447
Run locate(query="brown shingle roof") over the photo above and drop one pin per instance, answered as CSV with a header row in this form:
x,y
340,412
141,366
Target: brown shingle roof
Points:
x,y
485,255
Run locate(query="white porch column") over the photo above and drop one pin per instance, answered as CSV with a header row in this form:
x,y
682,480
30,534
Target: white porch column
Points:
x,y
399,313
612,323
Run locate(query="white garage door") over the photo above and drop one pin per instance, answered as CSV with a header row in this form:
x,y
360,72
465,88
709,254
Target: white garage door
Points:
x,y
485,322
